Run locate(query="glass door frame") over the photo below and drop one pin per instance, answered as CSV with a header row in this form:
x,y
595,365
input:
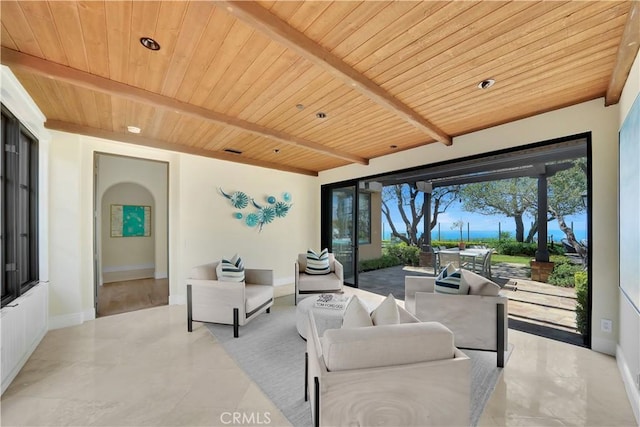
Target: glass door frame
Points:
x,y
326,227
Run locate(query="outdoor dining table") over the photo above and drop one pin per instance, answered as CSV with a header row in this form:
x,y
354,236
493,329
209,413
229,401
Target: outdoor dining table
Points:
x,y
472,254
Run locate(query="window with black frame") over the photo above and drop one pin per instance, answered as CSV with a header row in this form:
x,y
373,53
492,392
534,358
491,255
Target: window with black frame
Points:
x,y
19,212
364,218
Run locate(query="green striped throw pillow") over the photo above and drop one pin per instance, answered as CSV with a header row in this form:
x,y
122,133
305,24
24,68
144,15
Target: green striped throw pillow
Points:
x,y
231,270
318,263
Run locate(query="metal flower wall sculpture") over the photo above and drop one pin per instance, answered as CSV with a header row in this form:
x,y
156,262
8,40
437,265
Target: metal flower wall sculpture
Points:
x,y
263,213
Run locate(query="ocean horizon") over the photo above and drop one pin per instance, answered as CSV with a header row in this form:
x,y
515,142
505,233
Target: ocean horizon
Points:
x,y
454,235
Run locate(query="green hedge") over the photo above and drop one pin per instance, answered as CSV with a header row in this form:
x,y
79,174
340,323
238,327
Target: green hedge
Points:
x,y
581,280
407,255
511,247
385,261
564,274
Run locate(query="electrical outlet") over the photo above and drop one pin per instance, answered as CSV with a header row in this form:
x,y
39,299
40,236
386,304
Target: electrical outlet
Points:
x,y
606,325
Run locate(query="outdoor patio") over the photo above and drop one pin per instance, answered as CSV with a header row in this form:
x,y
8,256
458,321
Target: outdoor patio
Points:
x,y
534,307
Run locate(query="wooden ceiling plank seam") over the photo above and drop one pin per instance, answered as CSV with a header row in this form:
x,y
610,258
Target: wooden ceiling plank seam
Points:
x,y
382,25
6,38
549,77
183,131
163,145
168,24
508,80
580,77
66,20
18,30
306,14
118,113
93,24
289,92
459,48
278,30
69,97
103,104
141,115
41,95
238,36
508,119
196,19
43,28
331,18
497,49
253,80
263,83
118,18
355,140
92,82
219,141
422,49
202,130
378,46
247,56
286,8
213,35
507,69
144,22
363,13
627,52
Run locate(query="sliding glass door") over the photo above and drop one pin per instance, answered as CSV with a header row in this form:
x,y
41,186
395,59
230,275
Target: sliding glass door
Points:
x,y
339,227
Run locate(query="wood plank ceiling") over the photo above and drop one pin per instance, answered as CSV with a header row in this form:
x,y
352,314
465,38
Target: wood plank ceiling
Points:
x,y
251,77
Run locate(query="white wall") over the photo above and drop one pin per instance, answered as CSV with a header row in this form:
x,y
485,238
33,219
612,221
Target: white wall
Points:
x,y
589,116
201,225
628,351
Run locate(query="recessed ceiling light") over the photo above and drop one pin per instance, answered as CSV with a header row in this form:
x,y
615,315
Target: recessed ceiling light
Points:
x,y
321,115
276,150
134,129
150,43
486,84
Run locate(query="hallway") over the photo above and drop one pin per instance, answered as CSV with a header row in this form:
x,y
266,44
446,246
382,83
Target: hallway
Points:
x,y
131,295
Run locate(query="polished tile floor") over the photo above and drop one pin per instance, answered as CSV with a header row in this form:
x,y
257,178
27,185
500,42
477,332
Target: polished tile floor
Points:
x,y
143,369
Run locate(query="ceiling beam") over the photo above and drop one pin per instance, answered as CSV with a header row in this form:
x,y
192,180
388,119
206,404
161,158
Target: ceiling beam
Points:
x,y
627,51
165,145
42,67
280,31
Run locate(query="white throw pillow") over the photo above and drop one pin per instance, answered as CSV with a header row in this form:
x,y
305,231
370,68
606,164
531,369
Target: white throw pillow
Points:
x,y
356,315
230,270
479,285
449,282
318,263
387,312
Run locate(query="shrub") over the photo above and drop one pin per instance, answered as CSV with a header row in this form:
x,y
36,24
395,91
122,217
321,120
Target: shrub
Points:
x,y
408,255
385,261
581,280
564,274
512,247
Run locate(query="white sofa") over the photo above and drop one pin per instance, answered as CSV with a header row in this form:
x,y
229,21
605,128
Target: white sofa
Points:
x,y
306,284
230,303
478,322
408,374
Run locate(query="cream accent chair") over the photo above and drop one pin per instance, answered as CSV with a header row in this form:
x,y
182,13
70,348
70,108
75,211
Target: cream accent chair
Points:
x,y
306,284
231,303
407,374
478,322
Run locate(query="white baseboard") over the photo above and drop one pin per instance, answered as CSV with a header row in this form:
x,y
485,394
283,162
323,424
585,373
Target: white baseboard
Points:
x,y
177,299
629,384
602,345
72,319
160,275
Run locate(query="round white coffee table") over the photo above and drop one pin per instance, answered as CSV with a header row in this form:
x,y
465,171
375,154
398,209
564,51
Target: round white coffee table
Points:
x,y
326,318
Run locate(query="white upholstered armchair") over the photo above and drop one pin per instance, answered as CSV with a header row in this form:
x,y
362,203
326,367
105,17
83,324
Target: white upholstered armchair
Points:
x,y
317,284
407,374
231,303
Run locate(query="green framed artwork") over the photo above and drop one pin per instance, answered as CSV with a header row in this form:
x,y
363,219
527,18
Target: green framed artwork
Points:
x,y
130,221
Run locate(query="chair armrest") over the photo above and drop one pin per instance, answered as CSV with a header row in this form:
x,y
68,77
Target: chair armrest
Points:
x,y
216,286
339,270
256,276
413,284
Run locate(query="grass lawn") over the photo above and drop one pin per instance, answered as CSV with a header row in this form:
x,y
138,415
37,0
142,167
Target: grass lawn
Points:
x,y
524,260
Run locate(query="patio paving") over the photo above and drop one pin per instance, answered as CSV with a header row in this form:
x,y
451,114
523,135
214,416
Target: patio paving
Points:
x,y
534,307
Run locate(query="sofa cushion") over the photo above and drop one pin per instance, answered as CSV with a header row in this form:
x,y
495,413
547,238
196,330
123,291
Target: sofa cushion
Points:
x,y
356,315
256,295
319,283
386,345
448,282
386,313
231,270
479,285
317,263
